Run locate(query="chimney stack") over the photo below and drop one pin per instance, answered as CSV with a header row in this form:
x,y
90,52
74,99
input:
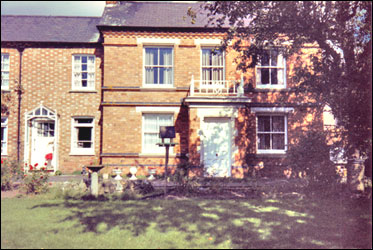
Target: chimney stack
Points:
x,y
111,3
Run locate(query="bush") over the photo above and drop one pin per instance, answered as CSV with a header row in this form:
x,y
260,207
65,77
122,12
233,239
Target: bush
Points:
x,y
310,158
36,181
10,172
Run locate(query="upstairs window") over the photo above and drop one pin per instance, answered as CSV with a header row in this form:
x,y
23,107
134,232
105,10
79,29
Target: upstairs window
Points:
x,y
158,67
4,71
270,73
82,136
4,135
212,66
271,133
83,72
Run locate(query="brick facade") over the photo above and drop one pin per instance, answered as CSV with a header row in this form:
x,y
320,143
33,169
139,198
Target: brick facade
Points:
x,y
120,100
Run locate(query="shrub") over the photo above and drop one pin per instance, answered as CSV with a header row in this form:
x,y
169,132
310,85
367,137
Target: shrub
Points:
x,y
36,181
57,173
310,158
10,172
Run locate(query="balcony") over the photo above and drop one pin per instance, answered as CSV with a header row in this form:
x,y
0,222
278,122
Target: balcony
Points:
x,y
217,91
214,88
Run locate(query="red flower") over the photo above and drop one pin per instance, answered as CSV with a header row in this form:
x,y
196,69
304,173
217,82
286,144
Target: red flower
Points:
x,y
49,156
43,169
30,167
2,161
45,164
36,164
26,164
41,177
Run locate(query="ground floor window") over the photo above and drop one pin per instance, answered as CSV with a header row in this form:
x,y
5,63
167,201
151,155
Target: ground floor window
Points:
x,y
151,124
4,135
271,133
82,136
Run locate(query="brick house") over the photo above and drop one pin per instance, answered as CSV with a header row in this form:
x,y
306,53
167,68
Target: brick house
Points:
x,y
97,89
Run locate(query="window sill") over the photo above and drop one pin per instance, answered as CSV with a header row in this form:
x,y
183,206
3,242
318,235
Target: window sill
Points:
x,y
269,87
158,88
271,152
81,153
83,91
5,90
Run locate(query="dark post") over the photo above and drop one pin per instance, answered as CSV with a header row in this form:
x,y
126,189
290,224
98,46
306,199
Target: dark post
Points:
x,y
166,171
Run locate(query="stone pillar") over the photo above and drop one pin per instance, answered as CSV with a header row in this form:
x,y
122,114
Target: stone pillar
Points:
x,y
94,184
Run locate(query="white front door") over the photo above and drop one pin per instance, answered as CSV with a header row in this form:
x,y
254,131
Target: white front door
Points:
x,y
42,141
216,147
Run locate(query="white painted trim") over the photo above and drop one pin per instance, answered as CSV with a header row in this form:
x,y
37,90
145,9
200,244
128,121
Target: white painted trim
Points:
x,y
158,41
169,110
272,110
5,125
272,151
80,88
158,86
83,151
231,144
229,112
207,42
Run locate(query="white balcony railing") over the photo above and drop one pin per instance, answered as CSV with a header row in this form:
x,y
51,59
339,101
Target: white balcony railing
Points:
x,y
216,87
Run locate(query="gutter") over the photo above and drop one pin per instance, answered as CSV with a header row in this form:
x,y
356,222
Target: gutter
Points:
x,y
20,49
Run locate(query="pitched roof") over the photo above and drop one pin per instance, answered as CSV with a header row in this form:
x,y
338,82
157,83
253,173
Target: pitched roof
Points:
x,y
153,14
49,29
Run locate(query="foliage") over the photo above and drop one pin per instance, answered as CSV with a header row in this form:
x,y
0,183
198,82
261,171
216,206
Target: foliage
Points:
x,y
185,184
10,172
36,181
340,72
310,157
57,173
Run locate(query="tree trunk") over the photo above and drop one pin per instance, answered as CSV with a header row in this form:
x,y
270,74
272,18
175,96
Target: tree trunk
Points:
x,y
355,173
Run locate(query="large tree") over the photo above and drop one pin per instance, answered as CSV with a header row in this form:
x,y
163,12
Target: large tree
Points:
x,y
340,74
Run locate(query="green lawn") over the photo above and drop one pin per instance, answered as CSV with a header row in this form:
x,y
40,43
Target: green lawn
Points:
x,y
46,223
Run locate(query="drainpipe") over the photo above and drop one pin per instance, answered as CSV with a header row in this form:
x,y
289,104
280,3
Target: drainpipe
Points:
x,y
19,92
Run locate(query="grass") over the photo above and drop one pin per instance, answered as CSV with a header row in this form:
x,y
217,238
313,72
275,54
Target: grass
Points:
x,y
41,222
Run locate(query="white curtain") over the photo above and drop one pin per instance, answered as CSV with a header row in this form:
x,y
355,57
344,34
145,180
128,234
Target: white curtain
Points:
x,y
165,73
151,59
152,122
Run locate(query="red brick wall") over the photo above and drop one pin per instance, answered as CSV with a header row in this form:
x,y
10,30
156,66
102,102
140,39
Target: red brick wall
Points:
x,y
46,77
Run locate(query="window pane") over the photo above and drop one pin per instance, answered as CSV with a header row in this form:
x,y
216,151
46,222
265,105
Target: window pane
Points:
x,y
84,134
274,58
84,59
84,67
151,56
2,133
264,76
265,59
278,124
84,120
278,141
264,141
37,112
274,76
165,56
264,124
165,75
206,57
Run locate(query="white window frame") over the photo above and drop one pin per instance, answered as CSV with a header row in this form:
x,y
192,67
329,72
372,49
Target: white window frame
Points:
x,y
90,86
271,151
156,150
4,150
201,63
82,151
3,69
278,67
158,85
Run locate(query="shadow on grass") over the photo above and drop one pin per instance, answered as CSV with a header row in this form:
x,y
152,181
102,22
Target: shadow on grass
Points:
x,y
246,224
